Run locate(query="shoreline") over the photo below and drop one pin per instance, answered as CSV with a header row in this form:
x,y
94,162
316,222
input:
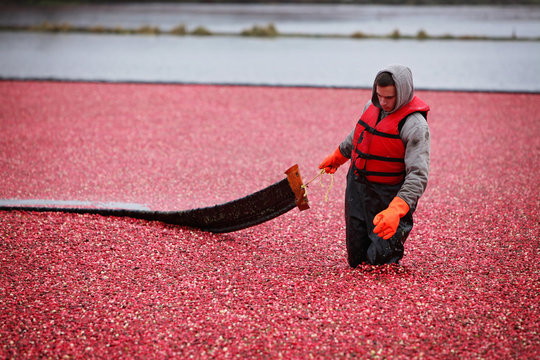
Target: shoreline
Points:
x,y
254,85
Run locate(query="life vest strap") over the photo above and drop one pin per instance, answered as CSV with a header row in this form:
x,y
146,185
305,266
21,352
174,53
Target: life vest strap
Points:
x,y
366,156
379,173
374,131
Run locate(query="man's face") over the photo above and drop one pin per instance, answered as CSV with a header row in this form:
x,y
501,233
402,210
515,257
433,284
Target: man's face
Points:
x,y
387,97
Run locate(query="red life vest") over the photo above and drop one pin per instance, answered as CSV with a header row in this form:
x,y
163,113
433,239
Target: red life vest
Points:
x,y
378,151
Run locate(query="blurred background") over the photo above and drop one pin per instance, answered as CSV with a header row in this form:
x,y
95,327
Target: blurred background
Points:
x,y
450,45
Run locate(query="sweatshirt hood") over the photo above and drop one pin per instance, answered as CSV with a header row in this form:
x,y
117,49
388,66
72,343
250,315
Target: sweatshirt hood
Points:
x,y
402,76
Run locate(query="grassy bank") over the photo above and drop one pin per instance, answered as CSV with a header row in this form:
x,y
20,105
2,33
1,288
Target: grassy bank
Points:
x,y
264,31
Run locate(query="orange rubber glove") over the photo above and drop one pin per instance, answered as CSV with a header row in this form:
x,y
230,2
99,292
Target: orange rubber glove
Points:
x,y
386,222
331,163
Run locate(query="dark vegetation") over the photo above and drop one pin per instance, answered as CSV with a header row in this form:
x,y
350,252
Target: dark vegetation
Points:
x,y
377,2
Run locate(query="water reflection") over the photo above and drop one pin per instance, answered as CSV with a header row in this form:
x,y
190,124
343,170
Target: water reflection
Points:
x,y
291,18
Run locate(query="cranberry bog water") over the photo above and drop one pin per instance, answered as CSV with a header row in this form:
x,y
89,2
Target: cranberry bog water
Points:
x,y
88,286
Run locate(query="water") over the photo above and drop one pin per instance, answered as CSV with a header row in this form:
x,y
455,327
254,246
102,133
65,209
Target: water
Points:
x,y
436,64
457,65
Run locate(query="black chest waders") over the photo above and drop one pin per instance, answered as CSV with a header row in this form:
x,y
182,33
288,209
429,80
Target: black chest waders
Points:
x,y
364,200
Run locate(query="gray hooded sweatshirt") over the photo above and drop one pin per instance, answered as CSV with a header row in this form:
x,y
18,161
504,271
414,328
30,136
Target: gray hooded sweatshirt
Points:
x,y
414,134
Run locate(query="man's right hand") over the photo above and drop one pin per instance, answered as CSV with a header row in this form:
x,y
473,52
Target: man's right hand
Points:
x,y
331,163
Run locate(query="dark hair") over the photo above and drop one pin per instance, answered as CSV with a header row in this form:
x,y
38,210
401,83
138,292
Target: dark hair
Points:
x,y
384,79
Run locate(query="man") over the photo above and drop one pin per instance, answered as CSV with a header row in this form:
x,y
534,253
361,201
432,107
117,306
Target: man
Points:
x,y
389,151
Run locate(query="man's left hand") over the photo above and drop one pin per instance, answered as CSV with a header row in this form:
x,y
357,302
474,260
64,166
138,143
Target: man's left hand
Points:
x,y
387,221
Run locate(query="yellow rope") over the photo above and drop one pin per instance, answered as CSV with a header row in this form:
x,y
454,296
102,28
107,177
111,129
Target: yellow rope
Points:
x,y
329,187
305,186
310,181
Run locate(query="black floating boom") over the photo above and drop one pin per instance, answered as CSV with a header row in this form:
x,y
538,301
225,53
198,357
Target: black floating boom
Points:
x,y
242,213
